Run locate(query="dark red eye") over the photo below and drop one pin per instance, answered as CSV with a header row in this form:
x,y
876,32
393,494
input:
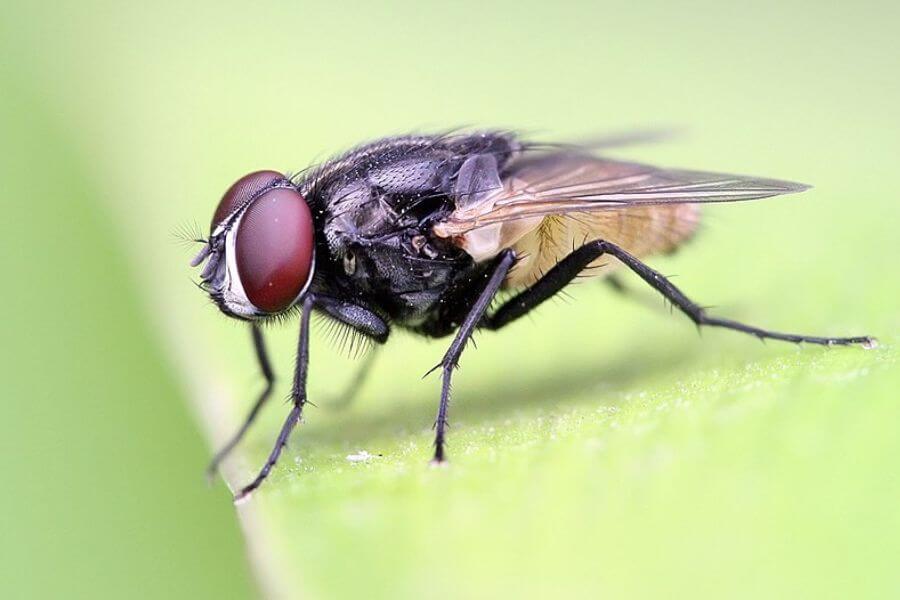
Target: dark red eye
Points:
x,y
242,190
274,249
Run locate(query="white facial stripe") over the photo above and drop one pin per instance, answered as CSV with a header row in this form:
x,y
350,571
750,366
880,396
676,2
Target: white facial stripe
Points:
x,y
309,278
233,290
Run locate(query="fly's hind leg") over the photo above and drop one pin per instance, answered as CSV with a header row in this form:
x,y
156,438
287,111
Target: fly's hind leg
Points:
x,y
568,268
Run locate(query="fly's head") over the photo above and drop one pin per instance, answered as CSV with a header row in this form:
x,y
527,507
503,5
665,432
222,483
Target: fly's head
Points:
x,y
259,259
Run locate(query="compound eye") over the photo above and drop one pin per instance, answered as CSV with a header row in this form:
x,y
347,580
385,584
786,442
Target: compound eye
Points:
x,y
274,249
240,192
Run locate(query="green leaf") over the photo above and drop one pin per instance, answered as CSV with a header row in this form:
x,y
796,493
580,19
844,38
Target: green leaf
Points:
x,y
602,448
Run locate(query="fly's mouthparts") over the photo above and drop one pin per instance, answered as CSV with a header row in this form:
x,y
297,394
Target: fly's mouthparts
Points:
x,y
201,256
210,269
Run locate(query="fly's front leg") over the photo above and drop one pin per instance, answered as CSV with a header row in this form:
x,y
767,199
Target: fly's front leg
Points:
x,y
263,358
568,268
451,358
298,400
358,317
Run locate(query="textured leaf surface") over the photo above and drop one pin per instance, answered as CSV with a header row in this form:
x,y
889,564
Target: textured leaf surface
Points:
x,y
604,448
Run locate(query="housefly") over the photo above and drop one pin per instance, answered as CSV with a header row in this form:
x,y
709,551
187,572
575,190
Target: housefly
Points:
x,y
422,232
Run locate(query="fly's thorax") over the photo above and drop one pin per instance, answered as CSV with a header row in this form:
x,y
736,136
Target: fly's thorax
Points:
x,y
405,273
356,210
376,231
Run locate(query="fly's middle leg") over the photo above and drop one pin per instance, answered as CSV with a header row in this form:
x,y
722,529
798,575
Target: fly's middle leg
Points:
x,y
451,358
569,268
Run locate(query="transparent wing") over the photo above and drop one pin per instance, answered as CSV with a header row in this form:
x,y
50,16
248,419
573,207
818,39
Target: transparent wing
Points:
x,y
561,183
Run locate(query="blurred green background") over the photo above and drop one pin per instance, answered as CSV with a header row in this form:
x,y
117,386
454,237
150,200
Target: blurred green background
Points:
x,y
602,449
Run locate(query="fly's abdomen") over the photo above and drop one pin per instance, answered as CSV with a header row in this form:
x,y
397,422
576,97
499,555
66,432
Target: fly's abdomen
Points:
x,y
642,231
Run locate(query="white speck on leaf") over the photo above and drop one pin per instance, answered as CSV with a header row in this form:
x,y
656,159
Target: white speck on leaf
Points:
x,y
361,456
